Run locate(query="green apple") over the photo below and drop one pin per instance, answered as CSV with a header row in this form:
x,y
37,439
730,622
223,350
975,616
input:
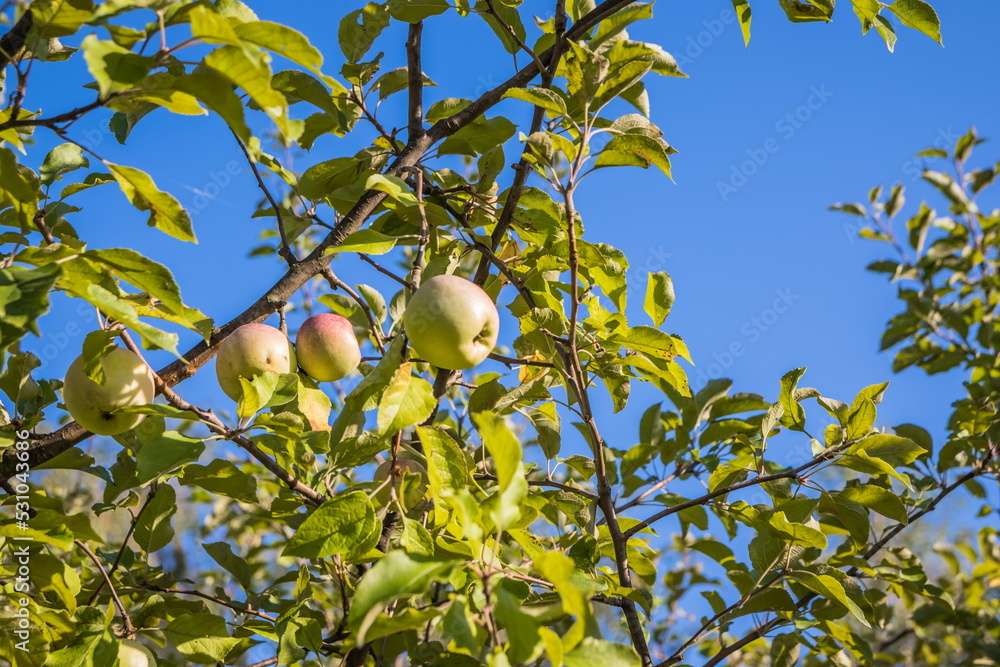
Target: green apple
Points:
x,y
451,322
249,351
127,381
405,469
133,654
327,348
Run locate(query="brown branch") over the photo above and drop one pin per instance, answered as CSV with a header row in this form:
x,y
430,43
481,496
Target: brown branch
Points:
x,y
128,536
265,663
381,269
129,629
204,596
516,361
285,252
337,283
415,82
546,482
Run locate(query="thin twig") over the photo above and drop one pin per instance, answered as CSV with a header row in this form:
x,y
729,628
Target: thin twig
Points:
x,y
337,283
284,251
131,529
128,628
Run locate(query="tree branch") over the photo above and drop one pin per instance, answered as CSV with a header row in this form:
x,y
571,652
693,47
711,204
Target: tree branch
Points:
x,y
129,629
415,81
121,552
285,252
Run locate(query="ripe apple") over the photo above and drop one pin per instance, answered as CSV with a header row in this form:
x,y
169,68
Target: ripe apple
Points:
x,y
451,322
127,381
414,493
133,654
249,351
327,347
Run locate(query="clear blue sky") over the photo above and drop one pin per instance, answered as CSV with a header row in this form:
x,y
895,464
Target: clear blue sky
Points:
x,y
731,254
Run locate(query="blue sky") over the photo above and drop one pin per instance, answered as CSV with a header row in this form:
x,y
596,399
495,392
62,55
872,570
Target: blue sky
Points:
x,y
758,263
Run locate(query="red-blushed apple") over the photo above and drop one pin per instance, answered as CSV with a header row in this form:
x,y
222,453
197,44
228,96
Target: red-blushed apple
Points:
x,y
133,654
451,322
127,381
327,348
249,351
414,495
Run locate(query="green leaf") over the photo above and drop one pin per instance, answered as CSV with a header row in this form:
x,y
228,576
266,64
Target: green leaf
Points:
x,y
395,575
114,68
478,137
651,342
407,400
222,553
797,533
202,638
744,16
24,297
342,524
805,12
893,449
60,18
153,530
918,15
412,11
359,30
659,297
223,478
878,499
794,417
504,448
540,97
281,40
830,588
635,150
164,453
446,467
253,76
165,212
599,653
93,645
62,159
142,272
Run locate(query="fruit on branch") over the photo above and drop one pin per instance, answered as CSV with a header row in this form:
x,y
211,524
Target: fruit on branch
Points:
x,y
413,494
451,322
249,351
133,654
127,381
327,348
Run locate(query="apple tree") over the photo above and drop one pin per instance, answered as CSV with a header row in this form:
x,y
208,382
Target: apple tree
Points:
x,y
437,506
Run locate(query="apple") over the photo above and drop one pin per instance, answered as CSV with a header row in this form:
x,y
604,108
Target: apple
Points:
x,y
451,322
249,351
127,381
133,654
414,493
327,348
